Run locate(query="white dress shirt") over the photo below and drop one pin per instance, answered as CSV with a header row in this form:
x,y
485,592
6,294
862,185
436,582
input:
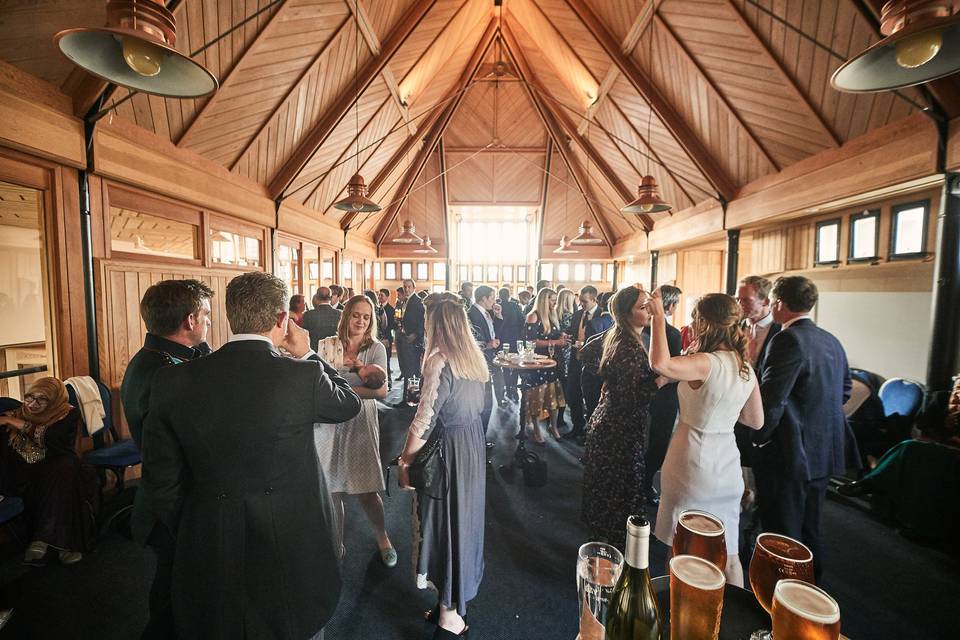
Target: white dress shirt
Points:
x,y
486,315
757,332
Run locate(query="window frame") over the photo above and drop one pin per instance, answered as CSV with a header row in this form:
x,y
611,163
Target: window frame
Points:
x,y
157,207
219,222
426,271
895,212
406,267
440,267
387,268
837,222
851,240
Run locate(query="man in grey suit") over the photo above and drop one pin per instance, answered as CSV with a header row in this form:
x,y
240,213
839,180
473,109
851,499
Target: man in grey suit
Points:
x,y
323,319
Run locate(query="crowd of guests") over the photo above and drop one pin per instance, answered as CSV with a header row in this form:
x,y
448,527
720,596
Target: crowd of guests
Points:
x,y
250,451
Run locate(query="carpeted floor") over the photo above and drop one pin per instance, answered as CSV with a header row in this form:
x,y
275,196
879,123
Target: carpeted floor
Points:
x,y
887,587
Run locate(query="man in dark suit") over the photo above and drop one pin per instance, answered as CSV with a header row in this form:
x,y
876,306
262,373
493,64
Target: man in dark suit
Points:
x,y
582,327
665,405
509,329
336,297
230,469
177,316
805,382
321,321
482,321
412,333
386,325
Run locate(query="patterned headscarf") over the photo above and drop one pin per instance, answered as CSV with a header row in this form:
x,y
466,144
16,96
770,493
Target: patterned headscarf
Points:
x,y
57,408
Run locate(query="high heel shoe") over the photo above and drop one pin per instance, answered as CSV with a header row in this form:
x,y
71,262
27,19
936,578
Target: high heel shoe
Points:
x,y
555,433
444,634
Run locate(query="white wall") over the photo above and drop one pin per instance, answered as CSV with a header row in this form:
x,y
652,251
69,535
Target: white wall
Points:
x,y
883,332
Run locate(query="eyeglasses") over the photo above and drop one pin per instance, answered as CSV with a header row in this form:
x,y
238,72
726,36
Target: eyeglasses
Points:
x,y
32,399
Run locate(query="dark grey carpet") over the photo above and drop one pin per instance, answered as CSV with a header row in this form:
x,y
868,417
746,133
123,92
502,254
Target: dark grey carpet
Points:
x,y
887,587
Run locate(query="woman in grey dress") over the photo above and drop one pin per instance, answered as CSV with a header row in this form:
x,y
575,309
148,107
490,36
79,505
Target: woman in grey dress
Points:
x,y
449,532
349,452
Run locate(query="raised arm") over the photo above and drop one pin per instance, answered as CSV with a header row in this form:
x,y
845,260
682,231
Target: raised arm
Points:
x,y
692,367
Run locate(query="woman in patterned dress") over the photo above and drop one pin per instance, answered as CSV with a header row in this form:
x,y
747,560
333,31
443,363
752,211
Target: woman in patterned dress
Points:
x,y
542,387
449,531
616,451
349,452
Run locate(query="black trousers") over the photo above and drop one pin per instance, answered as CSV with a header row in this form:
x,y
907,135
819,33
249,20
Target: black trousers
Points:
x,y
388,345
574,396
663,415
160,626
793,508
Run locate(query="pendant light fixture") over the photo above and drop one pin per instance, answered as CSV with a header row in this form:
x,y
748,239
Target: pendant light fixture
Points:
x,y
586,235
137,50
922,43
357,200
426,246
564,241
648,195
408,234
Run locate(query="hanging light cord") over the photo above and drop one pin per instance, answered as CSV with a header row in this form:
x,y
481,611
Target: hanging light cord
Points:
x,y
223,35
356,78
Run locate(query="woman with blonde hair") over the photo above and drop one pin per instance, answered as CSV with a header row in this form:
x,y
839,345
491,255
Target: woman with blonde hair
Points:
x,y
541,387
718,388
615,455
449,530
349,452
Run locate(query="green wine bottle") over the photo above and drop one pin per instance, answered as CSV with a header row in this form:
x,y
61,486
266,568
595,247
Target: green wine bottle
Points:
x,y
633,612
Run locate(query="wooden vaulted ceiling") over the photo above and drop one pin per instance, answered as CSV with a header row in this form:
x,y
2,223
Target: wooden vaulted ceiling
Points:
x,y
561,105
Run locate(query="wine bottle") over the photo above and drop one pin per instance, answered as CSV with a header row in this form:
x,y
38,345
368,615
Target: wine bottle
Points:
x,y
633,612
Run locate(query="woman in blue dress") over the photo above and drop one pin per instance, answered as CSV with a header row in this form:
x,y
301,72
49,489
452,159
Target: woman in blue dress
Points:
x,y
542,388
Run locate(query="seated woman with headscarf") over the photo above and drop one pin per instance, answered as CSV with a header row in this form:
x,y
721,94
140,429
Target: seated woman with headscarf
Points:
x,y
39,462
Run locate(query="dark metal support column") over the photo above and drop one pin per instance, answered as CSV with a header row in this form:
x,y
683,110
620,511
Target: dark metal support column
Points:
x,y
945,326
654,259
733,260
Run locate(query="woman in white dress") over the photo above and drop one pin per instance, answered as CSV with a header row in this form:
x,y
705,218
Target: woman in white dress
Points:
x,y
349,453
718,388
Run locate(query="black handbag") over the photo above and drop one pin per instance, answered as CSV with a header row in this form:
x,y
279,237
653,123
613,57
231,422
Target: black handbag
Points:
x,y
534,470
428,471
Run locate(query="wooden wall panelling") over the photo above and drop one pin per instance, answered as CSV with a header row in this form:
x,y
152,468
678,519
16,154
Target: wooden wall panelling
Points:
x,y
296,219
699,272
953,146
667,268
697,224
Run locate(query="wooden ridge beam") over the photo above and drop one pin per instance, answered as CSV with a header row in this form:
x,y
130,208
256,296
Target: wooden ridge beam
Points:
x,y
322,130
556,133
437,130
668,115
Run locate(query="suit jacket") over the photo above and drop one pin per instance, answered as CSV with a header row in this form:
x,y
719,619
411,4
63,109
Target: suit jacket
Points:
x,y
157,352
742,432
806,380
230,469
386,331
511,326
594,326
321,322
481,331
413,319
665,404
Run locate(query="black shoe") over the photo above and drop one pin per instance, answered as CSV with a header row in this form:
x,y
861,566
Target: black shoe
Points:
x,y
443,634
855,489
490,445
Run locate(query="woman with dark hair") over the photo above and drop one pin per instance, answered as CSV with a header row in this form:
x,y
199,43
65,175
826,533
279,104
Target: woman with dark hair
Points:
x,y
39,463
298,306
616,434
349,452
718,388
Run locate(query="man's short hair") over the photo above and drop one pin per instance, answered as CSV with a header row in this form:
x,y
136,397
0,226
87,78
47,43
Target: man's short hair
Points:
x,y
412,282
798,293
482,292
669,295
590,290
760,284
166,304
464,285
523,293
322,296
503,293
385,292
542,284
336,290
400,290
254,300
296,302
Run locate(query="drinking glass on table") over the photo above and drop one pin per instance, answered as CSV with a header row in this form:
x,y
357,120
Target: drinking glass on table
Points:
x,y
696,598
701,534
804,612
598,569
775,558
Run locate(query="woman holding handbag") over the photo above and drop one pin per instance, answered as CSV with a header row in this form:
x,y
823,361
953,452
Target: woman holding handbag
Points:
x,y
446,447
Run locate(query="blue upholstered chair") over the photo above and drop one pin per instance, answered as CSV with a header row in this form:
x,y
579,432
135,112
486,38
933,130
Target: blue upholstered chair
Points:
x,y
901,396
115,456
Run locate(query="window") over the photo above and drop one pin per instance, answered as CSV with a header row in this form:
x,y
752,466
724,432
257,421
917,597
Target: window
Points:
x,y
493,273
367,270
546,271
328,271
579,272
828,242
390,270
508,273
423,271
596,272
610,272
377,271
563,272
521,274
477,273
864,233
288,264
346,271
464,272
146,234
440,271
406,270
229,248
908,229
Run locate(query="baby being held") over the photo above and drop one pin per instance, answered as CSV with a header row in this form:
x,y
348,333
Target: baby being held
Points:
x,y
373,376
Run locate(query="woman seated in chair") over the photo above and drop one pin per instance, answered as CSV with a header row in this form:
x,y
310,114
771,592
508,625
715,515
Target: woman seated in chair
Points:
x,y
39,462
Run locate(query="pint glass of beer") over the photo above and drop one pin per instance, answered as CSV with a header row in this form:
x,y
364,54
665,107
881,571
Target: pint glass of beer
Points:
x,y
696,598
804,612
775,558
700,534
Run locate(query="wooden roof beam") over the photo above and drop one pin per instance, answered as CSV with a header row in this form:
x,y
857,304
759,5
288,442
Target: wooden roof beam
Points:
x,y
437,130
322,130
546,187
441,163
556,133
668,115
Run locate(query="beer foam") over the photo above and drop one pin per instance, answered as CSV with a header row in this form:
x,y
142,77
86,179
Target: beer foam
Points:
x,y
702,523
807,601
784,547
697,572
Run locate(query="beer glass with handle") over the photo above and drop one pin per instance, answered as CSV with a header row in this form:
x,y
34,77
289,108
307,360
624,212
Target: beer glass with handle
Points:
x,y
802,611
775,558
696,598
701,534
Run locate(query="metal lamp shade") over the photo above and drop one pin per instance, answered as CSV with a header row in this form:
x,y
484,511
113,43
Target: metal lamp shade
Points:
x,y
564,246
408,235
648,199
357,199
150,25
877,69
426,246
586,236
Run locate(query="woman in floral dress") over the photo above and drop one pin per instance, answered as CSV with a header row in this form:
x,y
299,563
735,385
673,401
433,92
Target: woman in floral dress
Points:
x,y
542,388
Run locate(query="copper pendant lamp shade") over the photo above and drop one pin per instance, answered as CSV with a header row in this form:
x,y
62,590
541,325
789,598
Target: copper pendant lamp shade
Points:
x,y
564,246
586,235
426,246
357,199
922,43
648,199
137,50
408,234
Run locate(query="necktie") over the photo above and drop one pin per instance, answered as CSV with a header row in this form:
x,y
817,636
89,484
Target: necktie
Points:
x,y
582,331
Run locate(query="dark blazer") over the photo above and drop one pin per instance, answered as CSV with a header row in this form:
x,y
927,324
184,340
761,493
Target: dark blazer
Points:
x,y
743,433
511,326
157,352
386,331
591,383
592,328
230,469
413,319
322,322
481,331
665,404
806,380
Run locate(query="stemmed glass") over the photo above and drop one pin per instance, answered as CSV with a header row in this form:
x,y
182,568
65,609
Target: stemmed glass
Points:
x,y
701,534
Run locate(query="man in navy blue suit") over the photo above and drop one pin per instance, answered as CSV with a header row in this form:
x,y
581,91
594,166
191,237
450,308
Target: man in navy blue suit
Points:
x,y
806,380
481,318
583,325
